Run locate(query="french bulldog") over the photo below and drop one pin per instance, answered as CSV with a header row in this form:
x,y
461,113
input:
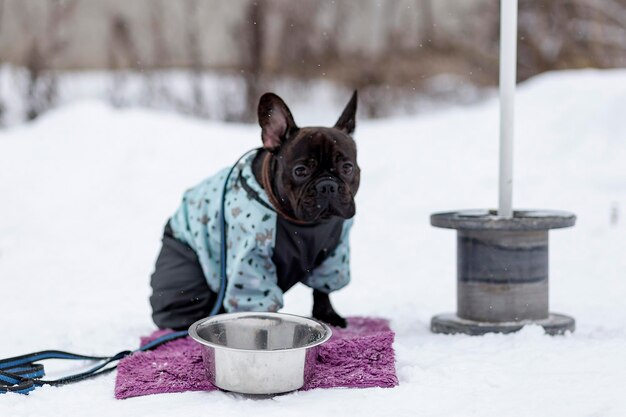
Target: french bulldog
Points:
x,y
288,210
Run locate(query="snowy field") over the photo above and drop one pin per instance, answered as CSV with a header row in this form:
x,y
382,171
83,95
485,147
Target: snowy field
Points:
x,y
86,190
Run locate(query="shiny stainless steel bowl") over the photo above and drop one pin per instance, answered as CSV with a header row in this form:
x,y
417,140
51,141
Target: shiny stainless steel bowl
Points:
x,y
259,353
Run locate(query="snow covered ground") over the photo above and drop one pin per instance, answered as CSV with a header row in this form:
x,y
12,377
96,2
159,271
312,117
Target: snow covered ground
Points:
x,y
85,191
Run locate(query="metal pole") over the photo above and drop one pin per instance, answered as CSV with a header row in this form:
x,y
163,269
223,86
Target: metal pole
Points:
x,y
508,62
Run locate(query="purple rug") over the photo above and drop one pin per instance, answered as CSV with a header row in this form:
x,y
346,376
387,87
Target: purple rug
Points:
x,y
360,356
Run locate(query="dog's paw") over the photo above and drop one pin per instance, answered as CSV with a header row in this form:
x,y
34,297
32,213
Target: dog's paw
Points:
x,y
332,319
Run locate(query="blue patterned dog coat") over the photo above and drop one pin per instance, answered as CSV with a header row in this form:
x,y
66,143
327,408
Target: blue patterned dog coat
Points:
x,y
254,281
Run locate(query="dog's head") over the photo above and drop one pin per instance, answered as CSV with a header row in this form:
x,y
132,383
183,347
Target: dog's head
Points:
x,y
315,172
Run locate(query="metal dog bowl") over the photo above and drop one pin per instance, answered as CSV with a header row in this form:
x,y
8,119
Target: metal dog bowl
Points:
x,y
259,353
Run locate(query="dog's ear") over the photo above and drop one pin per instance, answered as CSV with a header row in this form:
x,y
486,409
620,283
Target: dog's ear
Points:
x,y
276,121
347,121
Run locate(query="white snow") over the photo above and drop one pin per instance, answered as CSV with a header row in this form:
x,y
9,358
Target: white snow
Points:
x,y
86,189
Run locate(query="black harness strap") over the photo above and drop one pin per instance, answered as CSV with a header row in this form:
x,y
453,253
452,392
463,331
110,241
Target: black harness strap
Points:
x,y
252,193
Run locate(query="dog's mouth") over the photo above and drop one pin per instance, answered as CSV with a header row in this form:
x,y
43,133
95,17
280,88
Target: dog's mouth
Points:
x,y
314,205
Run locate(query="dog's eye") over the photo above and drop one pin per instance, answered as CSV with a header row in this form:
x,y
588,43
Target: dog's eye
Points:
x,y
300,171
347,168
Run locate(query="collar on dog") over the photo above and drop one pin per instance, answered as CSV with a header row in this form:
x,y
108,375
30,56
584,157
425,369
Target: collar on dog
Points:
x,y
269,189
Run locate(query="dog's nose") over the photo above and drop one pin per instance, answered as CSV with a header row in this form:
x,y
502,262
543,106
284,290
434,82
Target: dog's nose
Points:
x,y
327,187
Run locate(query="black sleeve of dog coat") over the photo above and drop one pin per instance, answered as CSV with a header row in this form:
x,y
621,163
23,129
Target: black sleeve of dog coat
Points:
x,y
180,293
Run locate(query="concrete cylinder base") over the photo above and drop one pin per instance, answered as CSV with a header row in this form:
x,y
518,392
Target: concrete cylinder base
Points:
x,y
450,323
502,271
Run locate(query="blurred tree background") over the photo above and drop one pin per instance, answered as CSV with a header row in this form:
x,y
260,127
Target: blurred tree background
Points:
x,y
213,58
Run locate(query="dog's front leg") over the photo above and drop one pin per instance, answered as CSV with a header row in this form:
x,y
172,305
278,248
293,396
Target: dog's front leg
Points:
x,y
323,310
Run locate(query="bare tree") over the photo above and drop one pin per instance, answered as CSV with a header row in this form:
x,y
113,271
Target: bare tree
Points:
x,y
427,21
122,54
40,90
194,51
571,34
252,40
155,89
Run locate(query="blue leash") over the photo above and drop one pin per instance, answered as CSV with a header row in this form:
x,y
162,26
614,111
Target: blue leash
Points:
x,y
20,374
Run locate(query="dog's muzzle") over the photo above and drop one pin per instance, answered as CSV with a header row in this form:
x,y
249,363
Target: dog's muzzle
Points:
x,y
327,197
